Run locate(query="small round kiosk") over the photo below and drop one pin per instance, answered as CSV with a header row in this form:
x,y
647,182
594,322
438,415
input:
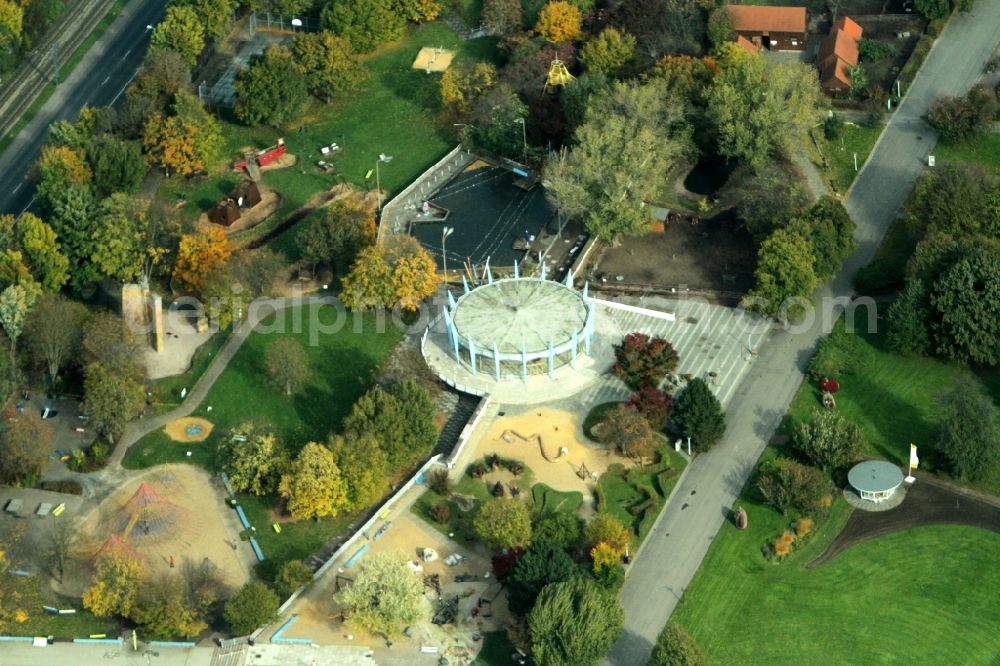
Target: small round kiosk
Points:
x,y
875,480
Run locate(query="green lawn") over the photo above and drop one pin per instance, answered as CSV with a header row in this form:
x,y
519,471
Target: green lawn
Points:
x,y
79,625
548,499
984,151
395,112
167,390
840,152
298,538
595,416
924,595
459,523
341,366
893,400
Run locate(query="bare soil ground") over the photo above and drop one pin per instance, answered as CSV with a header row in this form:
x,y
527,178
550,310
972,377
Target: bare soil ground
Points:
x,y
714,255
929,501
177,429
188,522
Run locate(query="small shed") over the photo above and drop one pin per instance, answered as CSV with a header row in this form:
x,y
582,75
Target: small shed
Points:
x,y
245,195
875,480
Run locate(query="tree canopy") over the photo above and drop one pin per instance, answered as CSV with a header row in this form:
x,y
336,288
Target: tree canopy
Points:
x,y
785,275
253,606
273,90
674,647
541,564
503,523
287,364
698,415
965,436
396,273
182,31
385,595
254,458
574,623
313,486
366,24
329,63
829,440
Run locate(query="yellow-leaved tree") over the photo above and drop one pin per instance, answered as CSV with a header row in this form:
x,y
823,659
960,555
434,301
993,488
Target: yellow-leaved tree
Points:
x,y
200,254
11,22
59,166
314,487
559,22
608,530
400,272
115,584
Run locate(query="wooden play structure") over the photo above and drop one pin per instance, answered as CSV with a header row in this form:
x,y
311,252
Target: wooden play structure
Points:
x,y
509,435
262,158
229,209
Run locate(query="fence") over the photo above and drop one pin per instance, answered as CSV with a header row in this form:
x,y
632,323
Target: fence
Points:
x,y
467,430
282,23
396,212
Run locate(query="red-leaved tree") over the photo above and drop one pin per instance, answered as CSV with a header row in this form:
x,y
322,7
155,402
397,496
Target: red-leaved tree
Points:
x,y
643,361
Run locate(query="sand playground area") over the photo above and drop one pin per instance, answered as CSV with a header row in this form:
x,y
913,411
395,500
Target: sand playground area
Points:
x,y
171,511
189,429
319,614
551,443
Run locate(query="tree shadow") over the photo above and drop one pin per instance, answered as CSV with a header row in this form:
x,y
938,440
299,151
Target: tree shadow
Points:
x,y
890,416
630,650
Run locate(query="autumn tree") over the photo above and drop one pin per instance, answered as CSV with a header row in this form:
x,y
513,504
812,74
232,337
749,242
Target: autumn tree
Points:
x,y
419,11
605,528
254,458
386,595
330,65
183,31
609,52
24,447
122,225
829,440
164,611
272,90
958,119
112,399
59,166
641,360
560,21
790,486
627,431
502,16
465,82
215,15
15,303
287,364
366,24
59,538
611,171
503,523
187,141
757,109
785,276
496,124
674,647
114,586
199,254
397,273
110,341
965,435
575,622
253,606
40,251
11,24
313,486
698,414
335,235
686,77
541,564
363,466
229,290
163,73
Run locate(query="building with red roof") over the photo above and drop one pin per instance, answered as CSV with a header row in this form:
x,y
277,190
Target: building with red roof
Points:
x,y
775,28
837,54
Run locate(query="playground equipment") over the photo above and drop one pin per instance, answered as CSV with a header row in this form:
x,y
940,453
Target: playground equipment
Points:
x,y
228,209
558,77
509,435
262,158
583,472
146,514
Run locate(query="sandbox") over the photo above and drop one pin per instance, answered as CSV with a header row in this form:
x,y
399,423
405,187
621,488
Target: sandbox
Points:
x,y
189,429
171,511
537,438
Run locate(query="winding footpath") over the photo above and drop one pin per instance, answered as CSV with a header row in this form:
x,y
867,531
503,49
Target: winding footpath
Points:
x,y
681,536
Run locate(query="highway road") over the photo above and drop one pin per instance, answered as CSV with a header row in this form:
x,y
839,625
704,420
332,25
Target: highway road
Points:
x,y
99,79
684,531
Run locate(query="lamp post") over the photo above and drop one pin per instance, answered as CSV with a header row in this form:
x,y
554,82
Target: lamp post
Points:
x,y
445,232
524,139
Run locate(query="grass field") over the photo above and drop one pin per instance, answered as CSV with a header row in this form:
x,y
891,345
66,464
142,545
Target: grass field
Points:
x,y
923,595
893,400
548,499
341,366
78,625
459,522
984,151
394,112
167,391
840,152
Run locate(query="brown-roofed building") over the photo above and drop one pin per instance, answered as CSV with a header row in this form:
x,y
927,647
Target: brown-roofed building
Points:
x,y
776,28
837,54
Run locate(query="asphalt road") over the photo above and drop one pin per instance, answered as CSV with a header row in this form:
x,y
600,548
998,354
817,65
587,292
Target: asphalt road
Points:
x,y
682,534
99,79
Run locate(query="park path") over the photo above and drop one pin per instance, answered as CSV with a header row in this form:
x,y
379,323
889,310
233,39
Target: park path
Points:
x,y
139,428
684,531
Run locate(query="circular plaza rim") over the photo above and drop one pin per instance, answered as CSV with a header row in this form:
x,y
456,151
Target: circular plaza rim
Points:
x,y
875,480
521,318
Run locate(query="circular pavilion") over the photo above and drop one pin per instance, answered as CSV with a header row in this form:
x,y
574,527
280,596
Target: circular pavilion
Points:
x,y
875,480
519,326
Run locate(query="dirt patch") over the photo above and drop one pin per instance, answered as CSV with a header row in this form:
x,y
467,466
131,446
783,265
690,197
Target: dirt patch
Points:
x,y
716,255
171,511
189,429
928,502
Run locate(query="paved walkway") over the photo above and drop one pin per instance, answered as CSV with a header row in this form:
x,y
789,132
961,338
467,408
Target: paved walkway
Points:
x,y
684,531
